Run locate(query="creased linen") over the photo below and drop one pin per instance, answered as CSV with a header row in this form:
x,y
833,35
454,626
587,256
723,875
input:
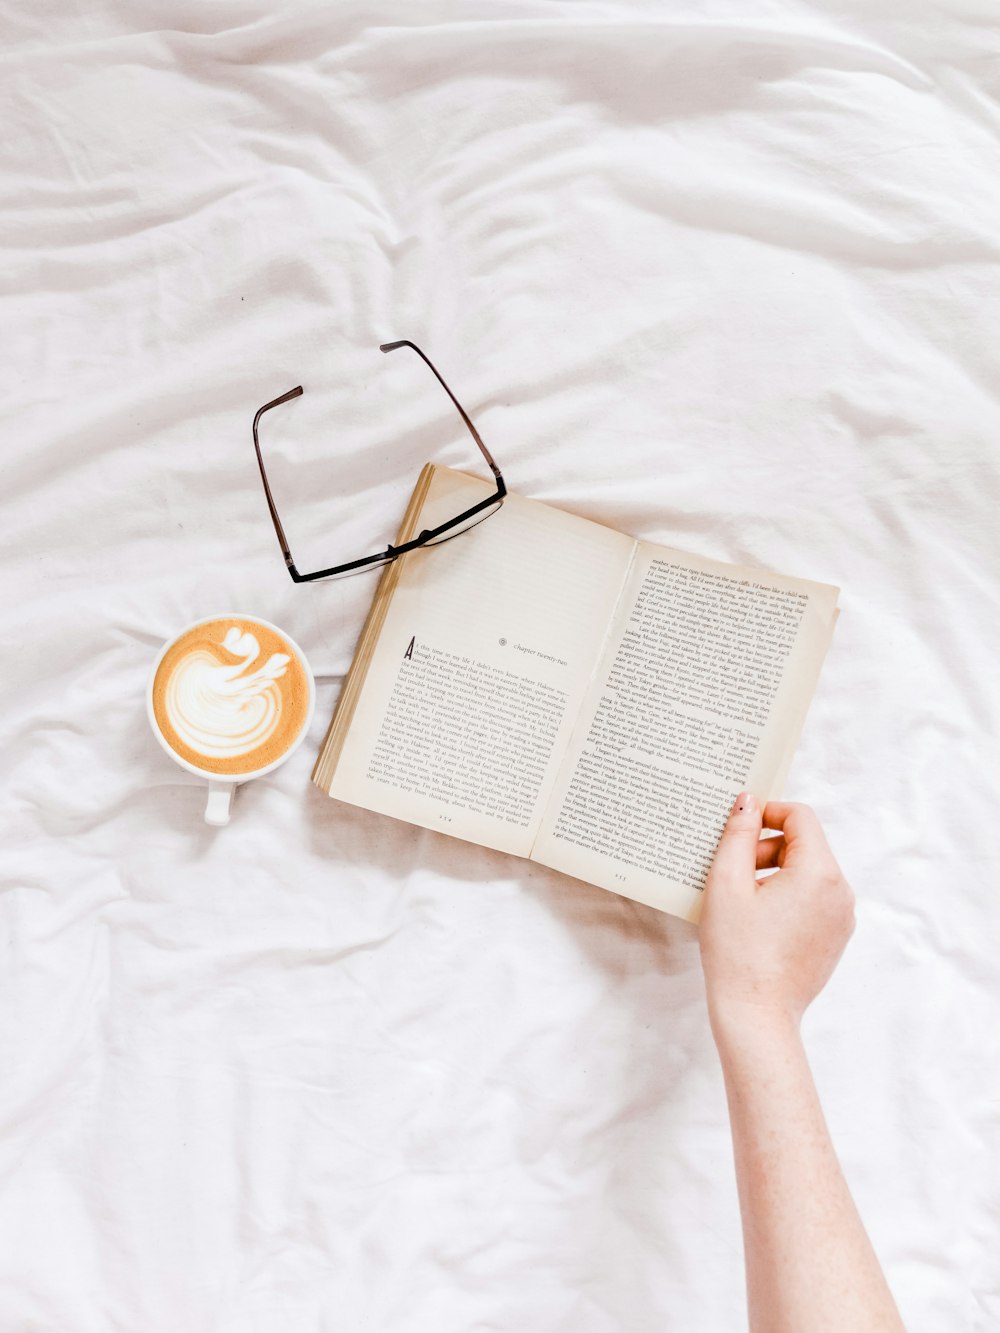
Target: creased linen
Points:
x,y
720,275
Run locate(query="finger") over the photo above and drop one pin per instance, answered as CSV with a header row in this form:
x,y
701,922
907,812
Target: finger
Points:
x,y
770,852
734,863
801,829
779,813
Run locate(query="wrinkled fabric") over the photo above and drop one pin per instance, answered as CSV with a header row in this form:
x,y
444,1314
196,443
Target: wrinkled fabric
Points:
x,y
723,276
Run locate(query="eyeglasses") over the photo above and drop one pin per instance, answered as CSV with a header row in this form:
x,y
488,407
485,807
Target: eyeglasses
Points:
x,y
429,537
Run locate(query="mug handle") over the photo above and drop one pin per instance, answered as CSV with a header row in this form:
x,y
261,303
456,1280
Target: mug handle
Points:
x,y
220,800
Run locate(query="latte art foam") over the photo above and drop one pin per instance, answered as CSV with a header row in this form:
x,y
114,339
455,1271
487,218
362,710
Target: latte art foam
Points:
x,y
230,696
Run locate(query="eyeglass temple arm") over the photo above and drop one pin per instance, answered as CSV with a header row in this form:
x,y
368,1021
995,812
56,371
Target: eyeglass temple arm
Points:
x,y
405,342
282,539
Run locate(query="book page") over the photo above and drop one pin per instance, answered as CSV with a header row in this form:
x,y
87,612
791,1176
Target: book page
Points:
x,y
701,693
485,648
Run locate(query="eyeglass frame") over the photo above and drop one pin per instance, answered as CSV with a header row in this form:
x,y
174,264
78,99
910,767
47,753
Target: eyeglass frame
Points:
x,y
391,552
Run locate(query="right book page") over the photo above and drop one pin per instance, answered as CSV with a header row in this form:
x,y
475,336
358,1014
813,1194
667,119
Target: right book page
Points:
x,y
701,693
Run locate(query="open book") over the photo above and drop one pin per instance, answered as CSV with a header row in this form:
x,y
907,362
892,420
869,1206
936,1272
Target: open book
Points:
x,y
549,687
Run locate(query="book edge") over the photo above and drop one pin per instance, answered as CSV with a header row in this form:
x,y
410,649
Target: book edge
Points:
x,y
332,745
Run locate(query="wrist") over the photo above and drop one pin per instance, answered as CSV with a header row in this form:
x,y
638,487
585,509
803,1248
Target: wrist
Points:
x,y
739,1026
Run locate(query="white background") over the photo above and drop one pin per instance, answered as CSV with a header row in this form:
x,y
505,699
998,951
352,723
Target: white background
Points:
x,y
720,274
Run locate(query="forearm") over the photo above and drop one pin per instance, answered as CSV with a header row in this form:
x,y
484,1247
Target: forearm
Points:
x,y
810,1265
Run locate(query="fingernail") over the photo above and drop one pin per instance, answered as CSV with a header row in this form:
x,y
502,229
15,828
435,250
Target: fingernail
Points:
x,y
745,804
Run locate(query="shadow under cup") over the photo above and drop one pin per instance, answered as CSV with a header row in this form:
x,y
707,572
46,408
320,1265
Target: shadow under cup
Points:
x,y
230,698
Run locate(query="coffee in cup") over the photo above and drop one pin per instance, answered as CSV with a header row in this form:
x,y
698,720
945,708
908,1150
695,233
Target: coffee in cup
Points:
x,y
230,698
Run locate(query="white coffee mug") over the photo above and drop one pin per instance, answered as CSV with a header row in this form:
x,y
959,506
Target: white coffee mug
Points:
x,y
221,786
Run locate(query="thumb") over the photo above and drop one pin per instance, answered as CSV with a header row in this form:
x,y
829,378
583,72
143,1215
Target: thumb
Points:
x,y
735,861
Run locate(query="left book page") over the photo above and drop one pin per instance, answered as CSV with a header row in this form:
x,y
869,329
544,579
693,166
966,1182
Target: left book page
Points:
x,y
473,665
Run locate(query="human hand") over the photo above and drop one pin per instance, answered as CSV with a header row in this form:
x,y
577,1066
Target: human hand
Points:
x,y
769,946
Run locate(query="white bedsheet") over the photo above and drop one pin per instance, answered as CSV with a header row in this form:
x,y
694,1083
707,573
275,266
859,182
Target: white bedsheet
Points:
x,y
721,274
